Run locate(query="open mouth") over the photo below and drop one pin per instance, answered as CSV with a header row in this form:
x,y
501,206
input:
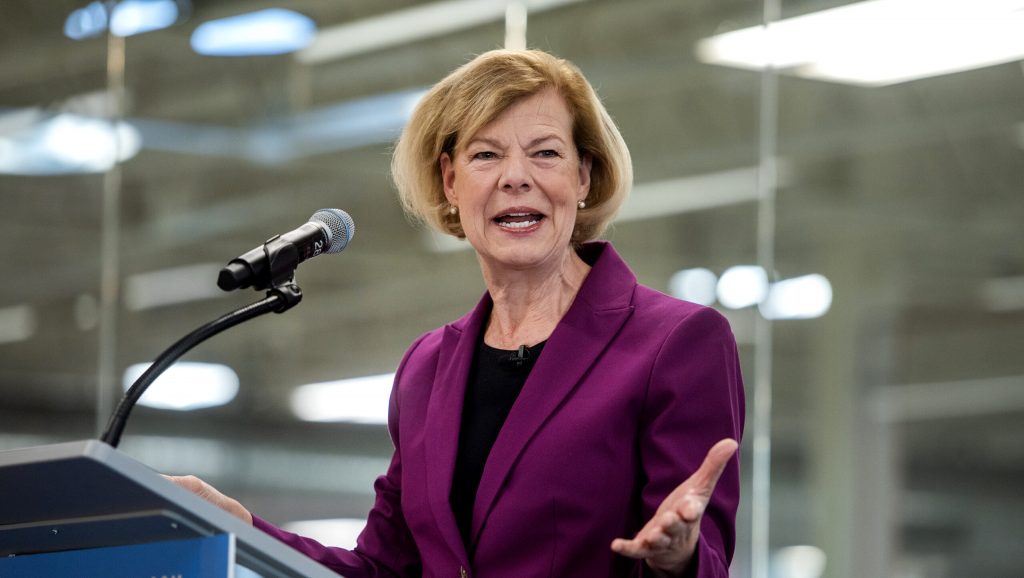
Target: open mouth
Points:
x,y
518,220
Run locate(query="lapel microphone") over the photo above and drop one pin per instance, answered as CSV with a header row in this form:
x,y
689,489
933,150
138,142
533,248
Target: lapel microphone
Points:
x,y
519,357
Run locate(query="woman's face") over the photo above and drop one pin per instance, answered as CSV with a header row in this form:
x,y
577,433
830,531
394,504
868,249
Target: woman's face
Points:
x,y
517,183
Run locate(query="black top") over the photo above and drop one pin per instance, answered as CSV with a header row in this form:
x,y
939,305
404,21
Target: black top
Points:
x,y
495,379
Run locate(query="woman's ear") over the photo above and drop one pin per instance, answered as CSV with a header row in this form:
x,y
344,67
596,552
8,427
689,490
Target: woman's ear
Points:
x,y
448,178
586,162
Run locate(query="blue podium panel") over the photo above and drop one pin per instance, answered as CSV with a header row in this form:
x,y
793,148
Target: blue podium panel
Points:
x,y
210,557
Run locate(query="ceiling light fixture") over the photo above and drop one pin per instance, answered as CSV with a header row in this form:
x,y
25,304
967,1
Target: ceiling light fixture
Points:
x,y
17,323
878,42
128,18
186,385
805,297
742,286
696,285
356,400
46,144
410,25
262,33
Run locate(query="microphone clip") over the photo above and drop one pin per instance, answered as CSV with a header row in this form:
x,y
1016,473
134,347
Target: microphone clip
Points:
x,y
519,357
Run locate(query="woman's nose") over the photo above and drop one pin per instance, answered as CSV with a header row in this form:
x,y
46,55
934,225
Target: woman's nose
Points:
x,y
515,175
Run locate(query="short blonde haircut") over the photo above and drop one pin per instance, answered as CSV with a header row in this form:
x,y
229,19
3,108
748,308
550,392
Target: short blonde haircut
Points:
x,y
472,96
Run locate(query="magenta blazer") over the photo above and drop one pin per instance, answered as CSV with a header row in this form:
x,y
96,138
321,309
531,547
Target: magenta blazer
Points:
x,y
630,392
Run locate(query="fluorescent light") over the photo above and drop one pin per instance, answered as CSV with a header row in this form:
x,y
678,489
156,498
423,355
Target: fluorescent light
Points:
x,y
17,323
798,562
372,120
172,286
186,385
410,25
86,22
357,400
131,17
338,532
657,199
803,297
696,285
261,33
742,286
65,143
879,42
1003,293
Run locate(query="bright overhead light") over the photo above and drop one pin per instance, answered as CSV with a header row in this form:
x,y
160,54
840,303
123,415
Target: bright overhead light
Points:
x,y
347,125
878,42
357,400
798,562
742,286
410,25
86,22
261,33
696,285
658,199
338,532
17,323
803,297
1003,293
186,385
43,144
129,17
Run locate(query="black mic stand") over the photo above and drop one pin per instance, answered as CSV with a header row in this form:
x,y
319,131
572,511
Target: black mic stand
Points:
x,y
279,299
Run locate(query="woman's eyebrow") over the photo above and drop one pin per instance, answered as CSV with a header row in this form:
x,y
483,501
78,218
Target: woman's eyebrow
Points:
x,y
543,138
496,144
485,140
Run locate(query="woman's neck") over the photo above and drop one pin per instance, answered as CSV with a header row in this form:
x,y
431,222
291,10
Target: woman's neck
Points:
x,y
528,304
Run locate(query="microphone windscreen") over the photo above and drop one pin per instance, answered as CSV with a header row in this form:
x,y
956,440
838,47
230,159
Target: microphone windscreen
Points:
x,y
342,227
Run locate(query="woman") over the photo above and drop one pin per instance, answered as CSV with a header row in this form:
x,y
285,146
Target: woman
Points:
x,y
571,406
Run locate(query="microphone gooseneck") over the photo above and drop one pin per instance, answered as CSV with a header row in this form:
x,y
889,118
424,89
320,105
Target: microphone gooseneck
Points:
x,y
270,266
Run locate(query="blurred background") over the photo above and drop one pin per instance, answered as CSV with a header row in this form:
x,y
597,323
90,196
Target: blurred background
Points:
x,y
847,187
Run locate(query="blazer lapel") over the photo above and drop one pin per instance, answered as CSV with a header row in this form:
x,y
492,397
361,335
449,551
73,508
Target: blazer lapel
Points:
x,y
600,309
444,416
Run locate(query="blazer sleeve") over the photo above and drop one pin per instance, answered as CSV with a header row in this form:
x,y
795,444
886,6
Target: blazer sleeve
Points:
x,y
694,399
385,547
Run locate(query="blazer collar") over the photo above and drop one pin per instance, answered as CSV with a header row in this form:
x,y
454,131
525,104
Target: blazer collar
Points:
x,y
597,313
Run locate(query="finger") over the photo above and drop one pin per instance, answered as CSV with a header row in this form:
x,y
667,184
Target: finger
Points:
x,y
636,548
705,478
190,483
630,548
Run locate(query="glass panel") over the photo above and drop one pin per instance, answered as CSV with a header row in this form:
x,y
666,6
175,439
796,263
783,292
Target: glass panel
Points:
x,y
54,147
897,410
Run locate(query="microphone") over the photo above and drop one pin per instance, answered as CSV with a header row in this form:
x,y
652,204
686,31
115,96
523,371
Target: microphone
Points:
x,y
274,262
519,357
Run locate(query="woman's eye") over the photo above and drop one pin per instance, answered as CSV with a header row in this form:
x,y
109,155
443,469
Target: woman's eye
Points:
x,y
550,154
485,155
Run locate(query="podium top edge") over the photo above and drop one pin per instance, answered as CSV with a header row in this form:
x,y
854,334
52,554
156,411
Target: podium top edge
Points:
x,y
93,449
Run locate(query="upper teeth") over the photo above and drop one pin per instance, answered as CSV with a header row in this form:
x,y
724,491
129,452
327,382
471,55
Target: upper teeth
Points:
x,y
517,225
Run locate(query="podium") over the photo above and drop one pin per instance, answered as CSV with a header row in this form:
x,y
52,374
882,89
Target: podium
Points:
x,y
86,494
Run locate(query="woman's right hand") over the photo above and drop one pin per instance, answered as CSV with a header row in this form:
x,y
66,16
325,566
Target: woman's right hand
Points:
x,y
212,495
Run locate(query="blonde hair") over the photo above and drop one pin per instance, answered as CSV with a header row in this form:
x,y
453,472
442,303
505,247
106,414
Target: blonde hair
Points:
x,y
476,93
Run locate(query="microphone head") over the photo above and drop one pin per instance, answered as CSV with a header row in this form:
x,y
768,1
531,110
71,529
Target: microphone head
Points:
x,y
341,225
